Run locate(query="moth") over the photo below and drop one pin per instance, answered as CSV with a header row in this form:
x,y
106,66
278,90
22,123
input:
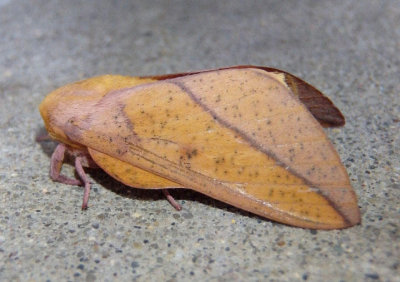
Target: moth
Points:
x,y
249,136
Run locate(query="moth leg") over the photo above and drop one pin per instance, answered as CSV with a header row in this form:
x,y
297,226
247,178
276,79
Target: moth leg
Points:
x,y
85,179
171,200
56,163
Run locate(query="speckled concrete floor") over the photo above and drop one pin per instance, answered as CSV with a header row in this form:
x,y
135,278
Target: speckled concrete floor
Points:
x,y
348,49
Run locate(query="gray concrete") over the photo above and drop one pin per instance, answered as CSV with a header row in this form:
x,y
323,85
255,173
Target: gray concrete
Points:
x,y
348,49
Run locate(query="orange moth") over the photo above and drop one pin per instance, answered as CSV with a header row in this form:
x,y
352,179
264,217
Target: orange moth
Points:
x,y
248,136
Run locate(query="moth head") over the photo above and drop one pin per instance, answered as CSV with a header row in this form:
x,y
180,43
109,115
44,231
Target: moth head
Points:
x,y
67,105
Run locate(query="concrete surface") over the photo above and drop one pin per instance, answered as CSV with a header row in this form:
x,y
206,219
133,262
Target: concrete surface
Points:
x,y
348,49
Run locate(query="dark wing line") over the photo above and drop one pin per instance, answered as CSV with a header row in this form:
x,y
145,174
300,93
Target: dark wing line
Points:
x,y
255,145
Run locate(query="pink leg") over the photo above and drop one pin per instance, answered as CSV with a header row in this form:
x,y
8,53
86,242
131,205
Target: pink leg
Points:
x,y
171,200
85,179
55,167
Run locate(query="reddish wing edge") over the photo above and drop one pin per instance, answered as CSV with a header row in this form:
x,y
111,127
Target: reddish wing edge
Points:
x,y
320,106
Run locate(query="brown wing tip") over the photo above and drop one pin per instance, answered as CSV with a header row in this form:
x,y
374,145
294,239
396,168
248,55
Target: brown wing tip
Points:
x,y
352,216
350,219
